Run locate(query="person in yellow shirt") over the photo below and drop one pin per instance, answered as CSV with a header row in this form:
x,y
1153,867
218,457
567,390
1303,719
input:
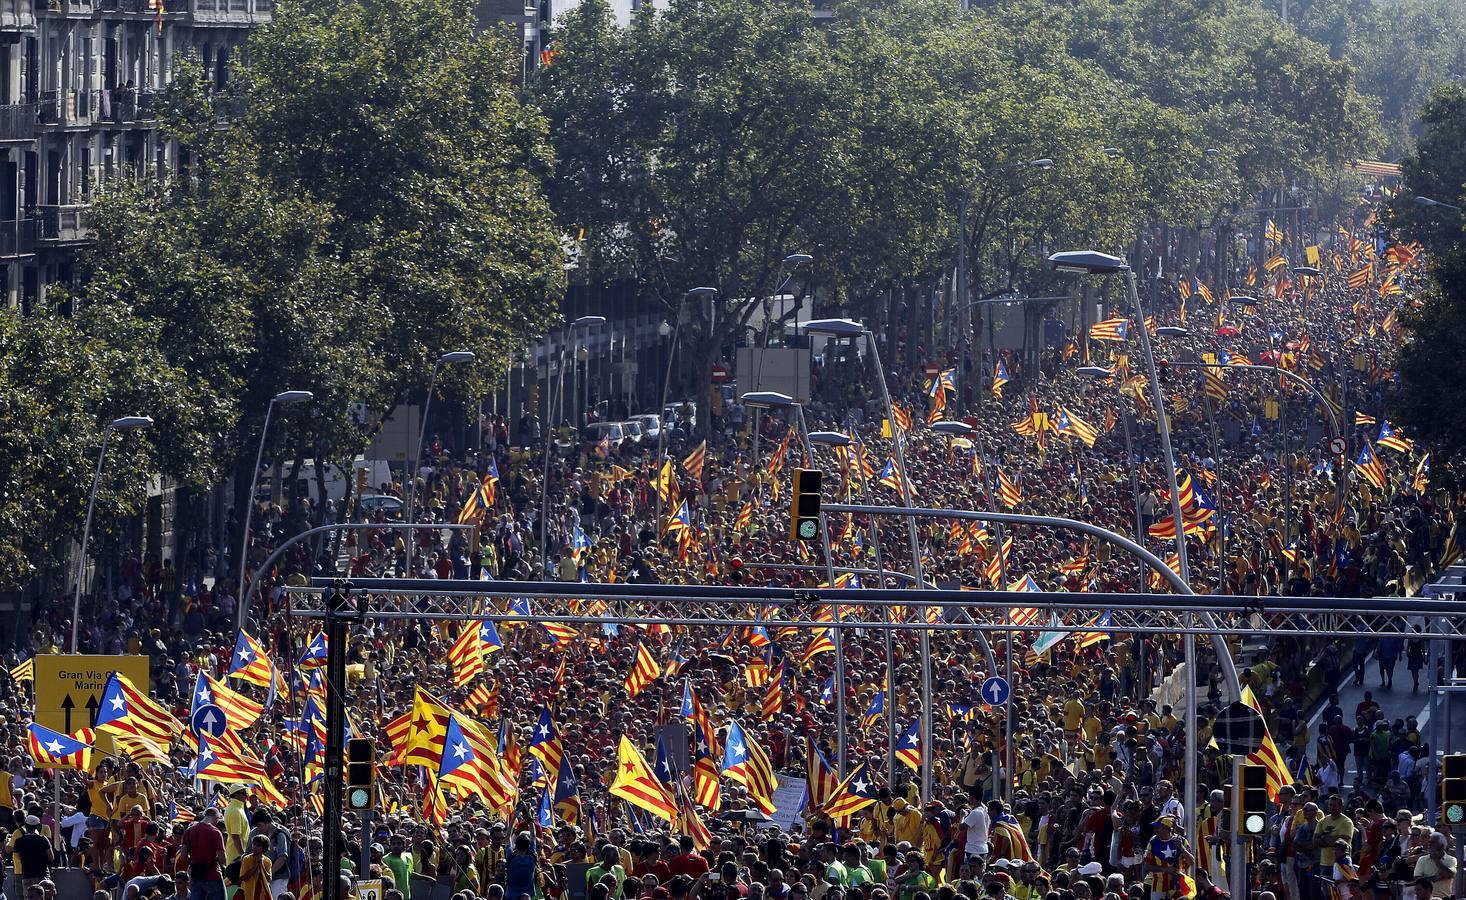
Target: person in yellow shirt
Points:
x,y
906,822
1073,714
236,825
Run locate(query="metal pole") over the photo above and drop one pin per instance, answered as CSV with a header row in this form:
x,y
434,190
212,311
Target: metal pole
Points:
x,y
1134,481
1001,763
959,298
331,835
249,500
834,606
549,443
1432,766
925,729
1188,640
86,533
422,433
662,409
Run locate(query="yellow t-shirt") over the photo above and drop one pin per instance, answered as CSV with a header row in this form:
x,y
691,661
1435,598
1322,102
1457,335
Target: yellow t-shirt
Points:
x,y
1073,715
7,795
236,831
1092,726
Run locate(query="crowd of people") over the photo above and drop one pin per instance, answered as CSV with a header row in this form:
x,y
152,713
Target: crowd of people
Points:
x,y
1084,799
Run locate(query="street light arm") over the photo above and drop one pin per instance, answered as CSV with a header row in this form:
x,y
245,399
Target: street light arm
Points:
x,y
86,532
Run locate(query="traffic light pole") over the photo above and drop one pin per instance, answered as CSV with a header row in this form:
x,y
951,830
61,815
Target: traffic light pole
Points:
x,y
337,625
1237,856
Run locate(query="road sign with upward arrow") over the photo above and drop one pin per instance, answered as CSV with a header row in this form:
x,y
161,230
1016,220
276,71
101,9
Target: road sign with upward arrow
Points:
x,y
69,690
209,720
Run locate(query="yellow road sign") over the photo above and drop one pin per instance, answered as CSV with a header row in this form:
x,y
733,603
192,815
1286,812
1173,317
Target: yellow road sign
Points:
x,y
69,689
369,889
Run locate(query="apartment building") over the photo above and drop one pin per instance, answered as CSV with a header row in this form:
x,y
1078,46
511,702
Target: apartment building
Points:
x,y
78,83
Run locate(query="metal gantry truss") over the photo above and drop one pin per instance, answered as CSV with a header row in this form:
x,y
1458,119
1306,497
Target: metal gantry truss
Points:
x,y
573,603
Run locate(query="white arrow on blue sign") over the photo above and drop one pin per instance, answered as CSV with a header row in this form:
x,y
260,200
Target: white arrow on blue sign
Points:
x,y
995,691
209,720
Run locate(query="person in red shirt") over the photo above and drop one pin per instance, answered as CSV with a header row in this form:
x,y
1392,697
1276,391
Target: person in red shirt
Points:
x,y
688,862
203,852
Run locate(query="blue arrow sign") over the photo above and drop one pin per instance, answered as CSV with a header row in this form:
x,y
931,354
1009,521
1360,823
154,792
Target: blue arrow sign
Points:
x,y
995,691
209,720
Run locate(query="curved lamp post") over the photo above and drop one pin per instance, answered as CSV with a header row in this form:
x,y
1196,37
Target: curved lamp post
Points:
x,y
125,423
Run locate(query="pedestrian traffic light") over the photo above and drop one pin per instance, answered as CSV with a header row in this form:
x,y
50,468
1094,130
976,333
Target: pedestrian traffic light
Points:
x,y
1251,799
804,506
361,774
1453,789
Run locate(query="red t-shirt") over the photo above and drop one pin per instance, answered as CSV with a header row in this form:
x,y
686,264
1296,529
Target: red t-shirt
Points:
x,y
689,864
204,843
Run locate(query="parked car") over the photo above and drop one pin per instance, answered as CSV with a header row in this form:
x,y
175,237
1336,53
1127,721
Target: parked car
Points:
x,y
631,432
388,504
592,435
651,426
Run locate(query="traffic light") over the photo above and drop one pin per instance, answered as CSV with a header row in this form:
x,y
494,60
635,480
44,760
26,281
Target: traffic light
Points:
x,y
1453,789
361,774
1251,799
804,506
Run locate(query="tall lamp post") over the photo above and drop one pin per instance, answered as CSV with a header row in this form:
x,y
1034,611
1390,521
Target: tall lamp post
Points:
x,y
710,293
570,328
840,439
447,359
284,398
1092,262
776,400
126,423
1003,757
849,328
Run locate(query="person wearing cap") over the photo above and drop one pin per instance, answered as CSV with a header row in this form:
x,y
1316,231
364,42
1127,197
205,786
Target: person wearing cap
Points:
x,y
906,823
32,853
1166,860
236,825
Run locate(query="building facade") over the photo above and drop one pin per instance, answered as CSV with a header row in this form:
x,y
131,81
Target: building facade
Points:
x,y
78,85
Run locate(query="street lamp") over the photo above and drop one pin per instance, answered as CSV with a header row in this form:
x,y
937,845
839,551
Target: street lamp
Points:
x,y
544,523
1172,331
284,398
1112,152
849,328
1099,373
840,439
676,332
1426,201
1093,262
125,423
776,400
447,359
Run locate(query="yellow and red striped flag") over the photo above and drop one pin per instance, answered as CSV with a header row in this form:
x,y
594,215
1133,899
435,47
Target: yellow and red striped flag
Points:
x,y
644,671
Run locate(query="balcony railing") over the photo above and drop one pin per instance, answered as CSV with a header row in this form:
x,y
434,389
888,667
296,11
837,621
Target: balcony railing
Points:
x,y
18,237
64,223
18,121
49,109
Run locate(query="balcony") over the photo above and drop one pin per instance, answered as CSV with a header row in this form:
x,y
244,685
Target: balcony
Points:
x,y
64,224
17,237
18,121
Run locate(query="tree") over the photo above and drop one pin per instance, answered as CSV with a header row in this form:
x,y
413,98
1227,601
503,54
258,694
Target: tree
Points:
x,y
1429,396
404,120
62,379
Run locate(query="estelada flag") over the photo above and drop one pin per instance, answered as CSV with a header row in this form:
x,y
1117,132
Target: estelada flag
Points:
x,y
636,784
